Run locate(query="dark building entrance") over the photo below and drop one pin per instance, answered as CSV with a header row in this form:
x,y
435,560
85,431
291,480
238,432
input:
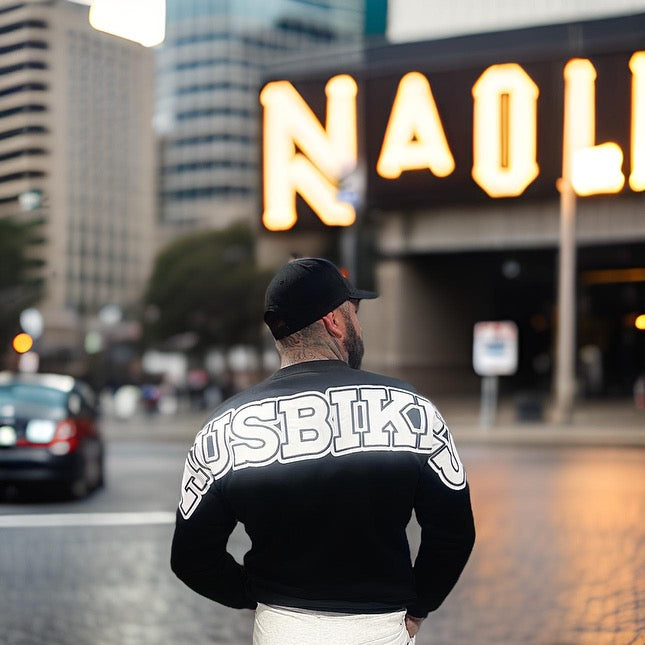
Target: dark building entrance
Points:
x,y
521,285
611,295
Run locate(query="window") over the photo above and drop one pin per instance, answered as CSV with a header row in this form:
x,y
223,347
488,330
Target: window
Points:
x,y
25,24
22,109
29,44
20,153
211,138
210,62
210,87
26,87
209,165
206,192
21,175
20,66
196,114
29,129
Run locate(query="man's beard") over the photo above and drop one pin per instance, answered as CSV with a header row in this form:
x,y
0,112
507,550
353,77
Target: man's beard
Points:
x,y
353,345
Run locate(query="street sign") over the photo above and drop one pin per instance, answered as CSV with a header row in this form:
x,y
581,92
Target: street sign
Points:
x,y
495,348
351,186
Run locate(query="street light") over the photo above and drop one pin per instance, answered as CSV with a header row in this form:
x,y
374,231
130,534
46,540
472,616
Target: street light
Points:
x,y
22,343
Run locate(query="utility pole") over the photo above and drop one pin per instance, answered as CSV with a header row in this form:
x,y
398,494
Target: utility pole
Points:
x,y
566,339
577,131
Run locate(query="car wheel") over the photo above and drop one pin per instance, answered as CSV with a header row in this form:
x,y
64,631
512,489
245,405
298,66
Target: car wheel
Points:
x,y
100,477
79,488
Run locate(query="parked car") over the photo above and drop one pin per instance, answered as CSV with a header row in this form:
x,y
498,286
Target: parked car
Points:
x,y
49,433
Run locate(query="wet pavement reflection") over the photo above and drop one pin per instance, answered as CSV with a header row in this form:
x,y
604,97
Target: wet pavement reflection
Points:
x,y
560,553
559,558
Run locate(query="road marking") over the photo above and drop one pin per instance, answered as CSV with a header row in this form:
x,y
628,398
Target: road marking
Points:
x,y
87,519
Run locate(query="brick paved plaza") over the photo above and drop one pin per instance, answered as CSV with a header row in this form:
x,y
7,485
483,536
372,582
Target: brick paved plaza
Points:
x,y
559,559
560,554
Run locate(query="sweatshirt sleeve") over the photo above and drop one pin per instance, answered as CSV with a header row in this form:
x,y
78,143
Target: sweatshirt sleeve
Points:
x,y
199,557
444,513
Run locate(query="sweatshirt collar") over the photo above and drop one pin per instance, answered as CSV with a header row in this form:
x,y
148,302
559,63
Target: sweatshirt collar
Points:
x,y
311,366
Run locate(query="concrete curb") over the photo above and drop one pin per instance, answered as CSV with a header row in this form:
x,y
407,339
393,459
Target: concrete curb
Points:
x,y
544,434
609,429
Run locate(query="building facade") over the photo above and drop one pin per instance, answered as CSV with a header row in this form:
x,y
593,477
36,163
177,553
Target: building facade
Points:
x,y
207,115
463,141
76,136
410,20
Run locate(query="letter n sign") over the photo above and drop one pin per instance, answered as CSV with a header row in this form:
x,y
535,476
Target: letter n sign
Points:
x,y
322,156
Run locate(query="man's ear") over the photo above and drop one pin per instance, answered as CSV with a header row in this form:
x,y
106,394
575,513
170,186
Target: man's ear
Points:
x,y
331,322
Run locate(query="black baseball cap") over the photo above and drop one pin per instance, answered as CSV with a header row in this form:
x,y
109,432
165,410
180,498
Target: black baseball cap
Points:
x,y
303,291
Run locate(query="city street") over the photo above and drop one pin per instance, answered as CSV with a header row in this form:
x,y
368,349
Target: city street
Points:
x,y
194,194
559,558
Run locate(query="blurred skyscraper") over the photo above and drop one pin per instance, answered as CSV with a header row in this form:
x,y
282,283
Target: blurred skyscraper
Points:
x,y
77,148
208,75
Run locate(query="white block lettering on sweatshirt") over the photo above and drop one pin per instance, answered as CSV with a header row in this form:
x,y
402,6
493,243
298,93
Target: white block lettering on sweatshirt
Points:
x,y
312,425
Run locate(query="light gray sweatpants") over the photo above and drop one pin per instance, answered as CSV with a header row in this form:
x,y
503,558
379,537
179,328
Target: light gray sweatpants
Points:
x,y
289,626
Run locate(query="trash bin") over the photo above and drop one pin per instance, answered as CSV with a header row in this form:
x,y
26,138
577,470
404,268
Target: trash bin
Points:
x,y
529,406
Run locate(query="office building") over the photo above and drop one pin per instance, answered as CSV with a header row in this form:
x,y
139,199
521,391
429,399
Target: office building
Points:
x,y
207,112
77,149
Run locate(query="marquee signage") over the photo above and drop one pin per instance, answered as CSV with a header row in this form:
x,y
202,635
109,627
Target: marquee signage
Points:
x,y
507,130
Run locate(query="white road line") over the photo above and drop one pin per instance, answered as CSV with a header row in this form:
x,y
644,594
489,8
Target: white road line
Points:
x,y
87,519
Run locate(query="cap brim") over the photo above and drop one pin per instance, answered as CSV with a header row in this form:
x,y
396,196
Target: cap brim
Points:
x,y
361,294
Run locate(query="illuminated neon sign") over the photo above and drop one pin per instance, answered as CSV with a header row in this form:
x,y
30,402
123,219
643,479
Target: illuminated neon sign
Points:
x,y
301,157
326,153
414,138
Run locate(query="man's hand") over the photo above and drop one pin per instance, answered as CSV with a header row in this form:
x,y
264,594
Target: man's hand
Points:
x,y
412,624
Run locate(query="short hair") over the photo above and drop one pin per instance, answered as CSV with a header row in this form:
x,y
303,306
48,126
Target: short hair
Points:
x,y
301,337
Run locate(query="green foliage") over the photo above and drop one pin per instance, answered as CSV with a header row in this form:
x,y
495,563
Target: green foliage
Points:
x,y
20,279
208,285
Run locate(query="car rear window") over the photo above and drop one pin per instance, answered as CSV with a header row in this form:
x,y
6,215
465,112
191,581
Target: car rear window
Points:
x,y
18,399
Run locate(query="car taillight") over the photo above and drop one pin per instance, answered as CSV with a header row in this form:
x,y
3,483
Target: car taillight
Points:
x,y
65,438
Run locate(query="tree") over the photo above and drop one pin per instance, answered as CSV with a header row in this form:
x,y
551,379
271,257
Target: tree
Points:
x,y
207,287
20,276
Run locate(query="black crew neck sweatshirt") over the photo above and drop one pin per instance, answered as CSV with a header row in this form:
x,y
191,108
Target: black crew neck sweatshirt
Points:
x,y
324,465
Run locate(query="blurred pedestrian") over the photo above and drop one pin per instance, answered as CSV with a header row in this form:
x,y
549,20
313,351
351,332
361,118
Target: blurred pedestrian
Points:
x,y
197,381
323,463
150,397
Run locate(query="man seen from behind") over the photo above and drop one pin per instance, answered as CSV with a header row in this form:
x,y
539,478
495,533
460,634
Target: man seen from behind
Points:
x,y
323,464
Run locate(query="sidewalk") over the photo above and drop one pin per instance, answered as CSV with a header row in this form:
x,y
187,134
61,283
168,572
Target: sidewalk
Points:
x,y
180,427
610,423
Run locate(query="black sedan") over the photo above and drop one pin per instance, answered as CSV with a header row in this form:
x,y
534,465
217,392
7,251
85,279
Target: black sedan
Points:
x,y
49,433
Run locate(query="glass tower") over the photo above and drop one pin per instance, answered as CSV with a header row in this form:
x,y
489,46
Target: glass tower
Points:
x,y
207,112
